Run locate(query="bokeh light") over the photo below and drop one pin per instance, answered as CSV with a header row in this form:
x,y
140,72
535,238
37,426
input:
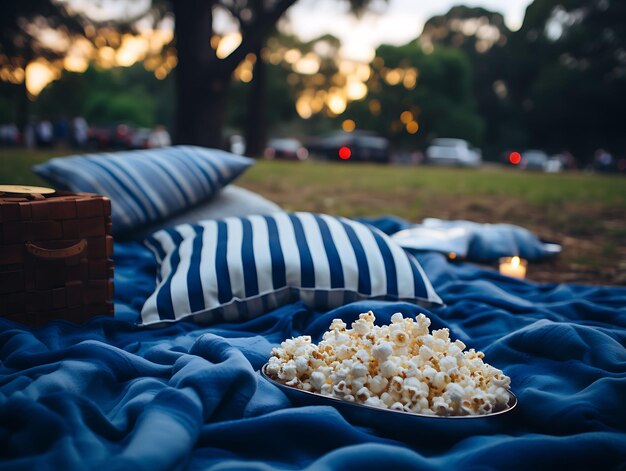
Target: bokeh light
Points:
x,y
515,158
374,107
228,44
75,64
410,78
292,55
406,117
336,102
355,89
307,65
348,125
38,75
303,107
393,76
412,127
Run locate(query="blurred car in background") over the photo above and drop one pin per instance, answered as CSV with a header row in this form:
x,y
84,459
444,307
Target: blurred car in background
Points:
x,y
361,146
554,165
538,160
533,160
286,149
528,159
453,152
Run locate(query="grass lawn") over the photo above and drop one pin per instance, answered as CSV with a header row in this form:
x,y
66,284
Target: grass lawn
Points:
x,y
583,212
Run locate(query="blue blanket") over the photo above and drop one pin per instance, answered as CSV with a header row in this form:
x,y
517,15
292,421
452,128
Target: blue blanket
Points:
x,y
110,395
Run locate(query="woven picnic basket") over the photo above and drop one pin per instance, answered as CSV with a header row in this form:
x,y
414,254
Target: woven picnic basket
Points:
x,y
55,256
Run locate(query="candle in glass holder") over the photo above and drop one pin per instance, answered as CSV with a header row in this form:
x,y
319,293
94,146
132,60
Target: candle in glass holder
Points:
x,y
513,266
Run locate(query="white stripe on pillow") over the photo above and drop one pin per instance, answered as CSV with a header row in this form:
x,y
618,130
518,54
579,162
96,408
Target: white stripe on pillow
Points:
x,y
146,186
289,247
238,268
260,242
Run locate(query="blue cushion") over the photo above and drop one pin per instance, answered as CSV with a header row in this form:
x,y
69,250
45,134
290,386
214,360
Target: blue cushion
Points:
x,y
146,186
483,243
238,268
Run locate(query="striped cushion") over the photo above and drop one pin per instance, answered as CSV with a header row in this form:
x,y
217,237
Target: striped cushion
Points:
x,y
146,186
238,268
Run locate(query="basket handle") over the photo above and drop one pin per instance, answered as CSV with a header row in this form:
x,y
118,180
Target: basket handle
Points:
x,y
56,254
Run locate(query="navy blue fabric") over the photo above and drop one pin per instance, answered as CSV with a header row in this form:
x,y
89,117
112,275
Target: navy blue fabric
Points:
x,y
307,270
334,260
149,185
110,395
469,240
365,285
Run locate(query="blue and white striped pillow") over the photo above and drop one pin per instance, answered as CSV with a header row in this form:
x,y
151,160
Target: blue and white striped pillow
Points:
x,y
238,268
146,186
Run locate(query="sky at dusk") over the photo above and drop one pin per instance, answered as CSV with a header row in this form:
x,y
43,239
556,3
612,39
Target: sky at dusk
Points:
x,y
397,22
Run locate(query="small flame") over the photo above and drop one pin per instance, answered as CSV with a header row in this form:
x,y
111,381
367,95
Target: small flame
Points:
x,y
515,261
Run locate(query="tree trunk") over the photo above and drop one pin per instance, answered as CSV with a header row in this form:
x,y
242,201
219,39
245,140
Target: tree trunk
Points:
x,y
23,106
201,82
256,119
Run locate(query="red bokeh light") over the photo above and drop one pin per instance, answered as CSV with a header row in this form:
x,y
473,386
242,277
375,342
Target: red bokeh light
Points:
x,y
345,153
515,158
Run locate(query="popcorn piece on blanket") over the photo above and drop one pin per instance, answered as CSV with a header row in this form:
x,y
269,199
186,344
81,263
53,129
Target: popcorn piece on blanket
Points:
x,y
400,366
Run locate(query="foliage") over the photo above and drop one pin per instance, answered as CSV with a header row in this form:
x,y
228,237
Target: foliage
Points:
x,y
122,107
18,22
483,36
103,97
22,24
46,31
572,74
9,99
440,100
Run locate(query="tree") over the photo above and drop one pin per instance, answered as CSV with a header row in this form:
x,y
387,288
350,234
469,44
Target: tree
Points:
x,y
484,37
203,78
46,30
280,98
415,97
570,74
18,46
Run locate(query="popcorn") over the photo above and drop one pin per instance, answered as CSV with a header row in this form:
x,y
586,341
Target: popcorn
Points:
x,y
400,338
357,383
389,369
382,350
378,384
359,369
361,327
363,394
400,366
317,380
288,371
